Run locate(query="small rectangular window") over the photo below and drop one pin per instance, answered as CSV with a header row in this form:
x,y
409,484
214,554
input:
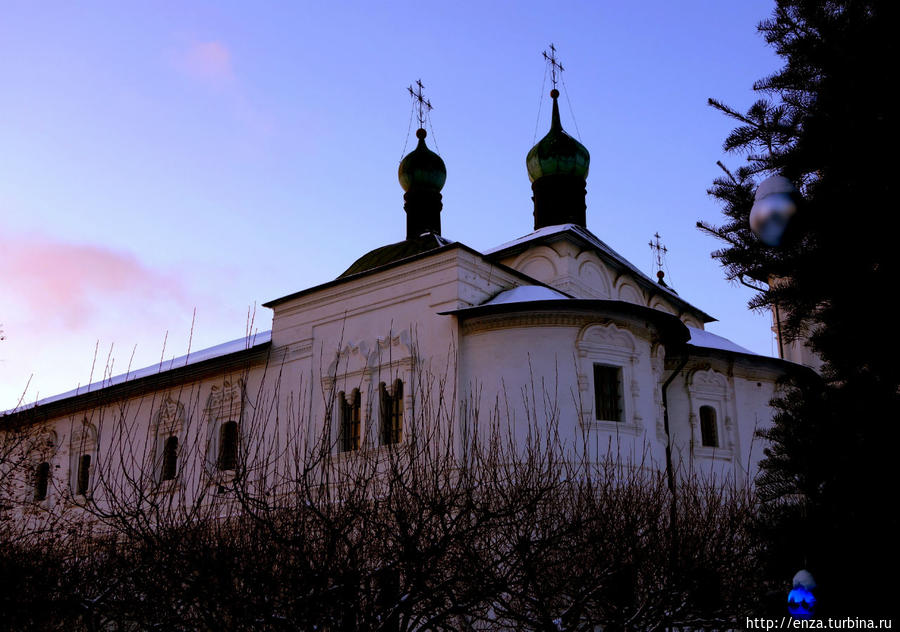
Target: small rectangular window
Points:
x,y
84,475
392,414
41,481
228,446
170,459
607,396
709,431
349,421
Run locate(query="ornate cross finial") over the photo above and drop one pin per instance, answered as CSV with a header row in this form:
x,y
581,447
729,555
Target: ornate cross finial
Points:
x,y
660,252
422,105
555,66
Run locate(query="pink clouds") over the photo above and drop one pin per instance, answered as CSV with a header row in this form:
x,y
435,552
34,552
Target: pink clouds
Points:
x,y
51,282
210,61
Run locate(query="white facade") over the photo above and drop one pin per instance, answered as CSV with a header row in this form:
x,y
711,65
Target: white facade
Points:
x,y
519,335
427,338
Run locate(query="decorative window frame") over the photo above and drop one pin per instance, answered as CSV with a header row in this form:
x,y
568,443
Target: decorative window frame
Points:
x,y
83,441
43,449
361,366
168,422
349,371
708,387
225,403
608,345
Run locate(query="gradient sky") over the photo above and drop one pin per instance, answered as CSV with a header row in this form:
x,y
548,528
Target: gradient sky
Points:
x,y
157,158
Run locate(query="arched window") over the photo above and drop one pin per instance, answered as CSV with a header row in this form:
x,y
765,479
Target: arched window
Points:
x,y
170,459
392,413
41,481
709,432
83,481
228,446
349,421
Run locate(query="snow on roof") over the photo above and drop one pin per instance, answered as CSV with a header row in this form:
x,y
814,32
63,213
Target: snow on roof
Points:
x,y
709,340
525,293
194,357
600,245
541,232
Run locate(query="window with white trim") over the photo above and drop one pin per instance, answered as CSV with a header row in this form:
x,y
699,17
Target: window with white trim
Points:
x,y
83,459
224,412
710,399
168,428
610,394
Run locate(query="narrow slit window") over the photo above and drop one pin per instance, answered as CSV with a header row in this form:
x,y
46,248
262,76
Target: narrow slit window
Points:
x,y
84,475
170,459
392,414
709,431
228,446
41,481
607,383
350,421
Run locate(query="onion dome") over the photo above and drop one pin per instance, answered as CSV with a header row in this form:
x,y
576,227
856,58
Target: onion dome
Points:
x,y
422,175
422,168
557,153
558,168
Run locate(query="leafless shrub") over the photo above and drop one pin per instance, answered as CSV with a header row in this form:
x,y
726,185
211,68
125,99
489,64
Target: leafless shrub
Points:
x,y
459,526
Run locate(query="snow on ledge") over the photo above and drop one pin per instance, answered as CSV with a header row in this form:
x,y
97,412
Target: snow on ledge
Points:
x,y
525,293
540,232
708,340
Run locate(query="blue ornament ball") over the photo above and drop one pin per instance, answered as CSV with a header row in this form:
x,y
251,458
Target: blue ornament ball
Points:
x,y
801,603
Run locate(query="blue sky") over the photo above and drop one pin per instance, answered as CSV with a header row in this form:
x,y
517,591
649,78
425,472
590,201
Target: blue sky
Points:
x,y
157,158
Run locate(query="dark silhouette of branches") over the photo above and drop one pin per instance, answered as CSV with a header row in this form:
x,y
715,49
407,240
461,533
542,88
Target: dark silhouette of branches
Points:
x,y
459,526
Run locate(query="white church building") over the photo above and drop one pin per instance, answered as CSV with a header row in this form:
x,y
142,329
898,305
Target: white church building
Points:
x,y
553,325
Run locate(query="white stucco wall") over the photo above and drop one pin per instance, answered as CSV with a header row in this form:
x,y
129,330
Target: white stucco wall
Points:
x,y
514,366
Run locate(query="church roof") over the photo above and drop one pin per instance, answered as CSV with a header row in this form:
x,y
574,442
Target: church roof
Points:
x,y
550,234
395,252
194,364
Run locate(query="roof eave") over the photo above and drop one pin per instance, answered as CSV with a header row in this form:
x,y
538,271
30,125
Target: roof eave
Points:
x,y
139,386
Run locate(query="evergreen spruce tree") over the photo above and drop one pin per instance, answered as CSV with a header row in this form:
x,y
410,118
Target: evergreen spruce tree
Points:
x,y
828,122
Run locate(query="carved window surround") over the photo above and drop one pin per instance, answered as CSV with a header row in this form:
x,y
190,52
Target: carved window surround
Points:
x,y
168,422
707,387
82,443
363,366
608,345
225,403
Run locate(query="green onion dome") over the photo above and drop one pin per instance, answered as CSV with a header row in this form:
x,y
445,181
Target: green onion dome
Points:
x,y
422,169
557,153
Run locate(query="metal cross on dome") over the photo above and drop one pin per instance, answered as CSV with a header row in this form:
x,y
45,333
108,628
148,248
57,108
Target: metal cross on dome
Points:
x,y
659,250
422,105
555,66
